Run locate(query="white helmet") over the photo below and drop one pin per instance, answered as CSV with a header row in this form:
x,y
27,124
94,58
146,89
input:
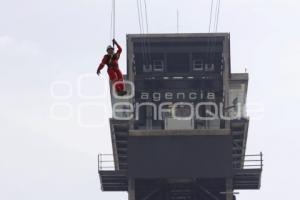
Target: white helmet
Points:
x,y
109,47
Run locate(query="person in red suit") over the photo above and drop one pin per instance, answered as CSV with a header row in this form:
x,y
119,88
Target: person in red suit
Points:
x,y
115,74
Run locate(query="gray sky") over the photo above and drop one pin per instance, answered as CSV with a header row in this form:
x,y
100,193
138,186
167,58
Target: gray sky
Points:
x,y
43,43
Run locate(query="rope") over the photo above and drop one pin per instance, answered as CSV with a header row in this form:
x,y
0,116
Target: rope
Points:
x,y
114,18
111,24
113,21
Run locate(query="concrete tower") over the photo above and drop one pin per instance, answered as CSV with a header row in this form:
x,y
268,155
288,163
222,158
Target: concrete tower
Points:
x,y
181,132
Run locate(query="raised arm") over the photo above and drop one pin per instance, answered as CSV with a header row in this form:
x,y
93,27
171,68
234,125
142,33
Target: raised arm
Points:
x,y
119,51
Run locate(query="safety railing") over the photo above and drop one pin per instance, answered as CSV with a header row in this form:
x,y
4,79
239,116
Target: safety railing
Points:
x,y
196,124
254,161
106,162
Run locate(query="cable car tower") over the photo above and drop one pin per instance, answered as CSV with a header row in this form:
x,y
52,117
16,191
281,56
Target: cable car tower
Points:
x,y
181,133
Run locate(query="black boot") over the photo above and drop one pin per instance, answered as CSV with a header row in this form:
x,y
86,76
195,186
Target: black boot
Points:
x,y
122,93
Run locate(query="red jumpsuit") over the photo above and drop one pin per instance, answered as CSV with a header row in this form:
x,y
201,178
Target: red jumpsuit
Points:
x,y
113,68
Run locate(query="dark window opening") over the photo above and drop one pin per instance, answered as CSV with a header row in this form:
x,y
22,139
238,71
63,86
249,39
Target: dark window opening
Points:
x,y
198,65
158,65
178,62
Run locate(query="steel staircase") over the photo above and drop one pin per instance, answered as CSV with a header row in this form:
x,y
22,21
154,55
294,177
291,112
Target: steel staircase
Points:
x,y
121,129
113,180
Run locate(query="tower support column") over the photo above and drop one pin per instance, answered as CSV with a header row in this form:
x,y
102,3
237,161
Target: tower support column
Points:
x,y
131,189
229,189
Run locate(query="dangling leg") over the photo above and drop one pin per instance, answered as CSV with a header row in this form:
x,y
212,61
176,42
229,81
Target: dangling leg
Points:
x,y
113,77
120,79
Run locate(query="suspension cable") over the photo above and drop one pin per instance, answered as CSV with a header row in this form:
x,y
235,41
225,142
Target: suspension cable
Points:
x,y
140,20
148,48
140,16
217,23
177,21
146,16
214,16
211,12
144,29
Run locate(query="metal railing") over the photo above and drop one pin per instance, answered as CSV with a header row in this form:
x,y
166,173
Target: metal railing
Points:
x,y
106,162
197,124
254,161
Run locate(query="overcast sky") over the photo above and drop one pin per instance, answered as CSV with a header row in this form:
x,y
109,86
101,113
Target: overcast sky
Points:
x,y
49,52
